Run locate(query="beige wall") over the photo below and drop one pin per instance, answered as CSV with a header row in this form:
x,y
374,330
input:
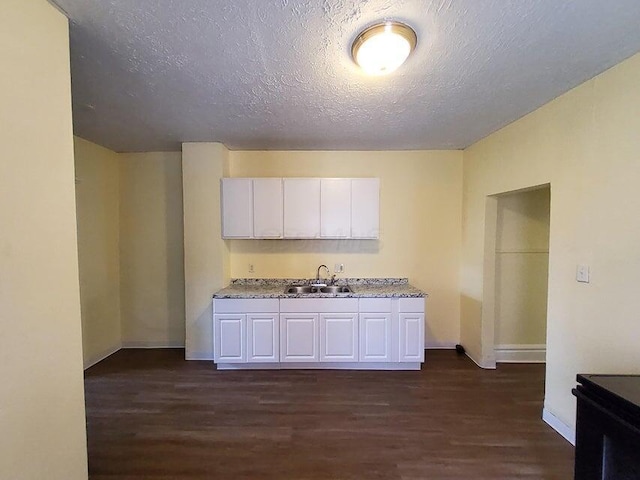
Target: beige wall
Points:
x,y
522,259
97,203
130,249
523,221
151,250
206,255
41,400
420,222
585,144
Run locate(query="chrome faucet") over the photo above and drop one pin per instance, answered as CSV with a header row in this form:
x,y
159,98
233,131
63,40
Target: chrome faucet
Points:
x,y
318,273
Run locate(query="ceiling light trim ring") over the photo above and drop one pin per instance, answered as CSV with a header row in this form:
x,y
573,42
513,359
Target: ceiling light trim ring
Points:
x,y
395,27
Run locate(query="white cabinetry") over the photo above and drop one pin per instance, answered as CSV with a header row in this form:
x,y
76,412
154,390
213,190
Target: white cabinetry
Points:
x,y
411,329
375,337
376,330
230,337
330,323
245,330
267,208
365,208
237,208
263,342
339,337
335,207
299,337
322,332
301,207
251,208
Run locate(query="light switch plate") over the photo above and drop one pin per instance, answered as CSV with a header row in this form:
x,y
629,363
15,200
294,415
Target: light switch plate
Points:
x,y
338,268
582,273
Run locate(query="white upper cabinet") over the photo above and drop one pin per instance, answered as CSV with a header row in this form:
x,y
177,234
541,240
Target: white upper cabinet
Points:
x,y
365,208
301,207
267,208
335,207
237,208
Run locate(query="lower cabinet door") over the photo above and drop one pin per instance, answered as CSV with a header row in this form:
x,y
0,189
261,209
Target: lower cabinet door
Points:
x,y
375,337
299,337
263,340
230,338
411,337
338,337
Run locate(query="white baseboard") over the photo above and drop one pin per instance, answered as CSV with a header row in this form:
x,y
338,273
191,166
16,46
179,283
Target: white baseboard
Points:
x,y
152,344
521,353
487,366
90,362
567,432
440,346
199,356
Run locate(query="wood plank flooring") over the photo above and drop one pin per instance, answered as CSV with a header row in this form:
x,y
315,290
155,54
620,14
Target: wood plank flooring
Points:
x,y
152,415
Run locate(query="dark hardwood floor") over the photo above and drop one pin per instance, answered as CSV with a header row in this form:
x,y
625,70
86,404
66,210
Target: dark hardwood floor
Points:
x,y
150,414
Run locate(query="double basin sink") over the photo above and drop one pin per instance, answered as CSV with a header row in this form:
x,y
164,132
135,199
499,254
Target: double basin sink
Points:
x,y
302,289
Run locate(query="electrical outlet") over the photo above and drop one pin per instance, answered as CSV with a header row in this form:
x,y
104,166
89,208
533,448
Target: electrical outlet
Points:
x,y
338,268
251,269
582,273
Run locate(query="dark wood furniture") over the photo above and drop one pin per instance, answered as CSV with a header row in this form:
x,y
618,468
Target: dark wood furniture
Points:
x,y
607,427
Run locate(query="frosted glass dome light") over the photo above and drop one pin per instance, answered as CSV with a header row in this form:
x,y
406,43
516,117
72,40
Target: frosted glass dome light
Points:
x,y
382,48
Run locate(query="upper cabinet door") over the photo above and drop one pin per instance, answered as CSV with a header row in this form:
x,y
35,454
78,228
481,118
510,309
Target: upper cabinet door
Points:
x,y
301,207
237,208
267,207
335,207
365,208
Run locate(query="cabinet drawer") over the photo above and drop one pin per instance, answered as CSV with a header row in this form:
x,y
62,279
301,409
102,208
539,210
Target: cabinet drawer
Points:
x,y
248,305
411,305
319,305
375,305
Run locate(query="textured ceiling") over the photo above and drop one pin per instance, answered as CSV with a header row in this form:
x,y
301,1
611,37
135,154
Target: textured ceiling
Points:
x,y
277,74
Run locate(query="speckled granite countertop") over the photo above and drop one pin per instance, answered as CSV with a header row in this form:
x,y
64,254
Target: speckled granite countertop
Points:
x,y
362,287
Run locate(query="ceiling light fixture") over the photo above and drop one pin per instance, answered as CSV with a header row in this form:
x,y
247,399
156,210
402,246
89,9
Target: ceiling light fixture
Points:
x,y
382,48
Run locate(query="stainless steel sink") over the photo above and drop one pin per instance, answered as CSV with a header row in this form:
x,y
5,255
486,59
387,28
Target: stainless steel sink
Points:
x,y
303,289
336,289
